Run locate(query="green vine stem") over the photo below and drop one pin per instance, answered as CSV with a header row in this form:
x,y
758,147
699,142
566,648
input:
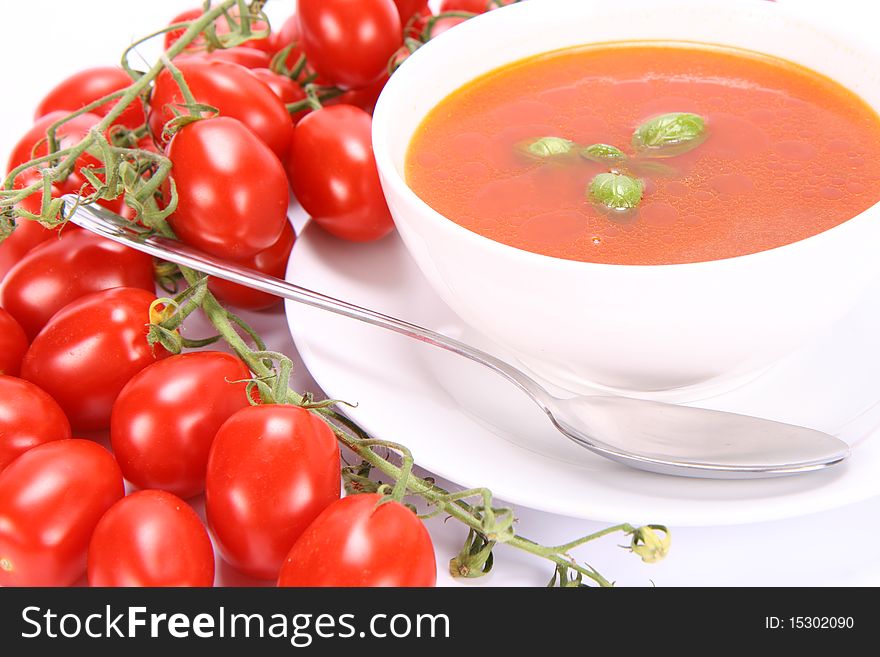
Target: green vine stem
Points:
x,y
488,526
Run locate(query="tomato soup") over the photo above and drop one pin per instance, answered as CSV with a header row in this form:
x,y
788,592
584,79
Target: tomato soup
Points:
x,y
785,154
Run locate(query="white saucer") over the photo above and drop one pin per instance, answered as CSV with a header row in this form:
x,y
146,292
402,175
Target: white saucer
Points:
x,y
469,426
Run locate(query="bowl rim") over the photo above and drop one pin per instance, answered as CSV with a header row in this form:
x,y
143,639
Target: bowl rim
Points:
x,y
409,69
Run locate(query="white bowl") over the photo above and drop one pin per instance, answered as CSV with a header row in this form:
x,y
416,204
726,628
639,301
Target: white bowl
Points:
x,y
665,331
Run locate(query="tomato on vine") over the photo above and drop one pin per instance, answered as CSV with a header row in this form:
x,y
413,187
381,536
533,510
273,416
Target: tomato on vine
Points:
x,y
165,419
51,498
89,350
394,547
172,36
62,270
87,86
233,191
33,144
271,471
232,90
272,261
27,234
28,417
288,35
406,9
364,97
349,42
150,538
283,87
13,344
221,25
250,58
333,173
472,6
442,24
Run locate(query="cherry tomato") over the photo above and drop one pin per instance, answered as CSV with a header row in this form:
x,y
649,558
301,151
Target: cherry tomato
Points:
x,y
441,25
51,498
89,350
271,471
222,27
183,17
272,261
349,42
150,538
333,173
233,91
88,86
241,55
33,144
13,345
264,43
472,6
283,87
28,417
406,9
365,97
233,191
61,270
393,547
287,35
165,419
27,233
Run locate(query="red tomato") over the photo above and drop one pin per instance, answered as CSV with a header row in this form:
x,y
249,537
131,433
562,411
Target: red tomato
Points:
x,y
13,345
183,17
272,261
222,27
241,55
473,6
27,233
89,350
165,419
233,91
333,173
441,25
233,191
272,470
349,42
150,538
406,9
288,34
61,270
28,417
33,145
365,98
283,87
51,498
393,547
264,44
88,86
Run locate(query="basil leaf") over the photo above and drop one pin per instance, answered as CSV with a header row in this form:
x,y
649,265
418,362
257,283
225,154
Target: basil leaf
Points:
x,y
603,153
616,191
549,147
670,134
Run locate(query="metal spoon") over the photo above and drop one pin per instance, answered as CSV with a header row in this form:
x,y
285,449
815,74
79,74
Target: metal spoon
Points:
x,y
653,436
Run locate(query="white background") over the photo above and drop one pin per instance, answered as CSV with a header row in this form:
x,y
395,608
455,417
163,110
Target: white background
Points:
x,y
46,40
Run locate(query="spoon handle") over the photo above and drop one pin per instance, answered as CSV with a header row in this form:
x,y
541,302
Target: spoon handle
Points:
x,y
111,226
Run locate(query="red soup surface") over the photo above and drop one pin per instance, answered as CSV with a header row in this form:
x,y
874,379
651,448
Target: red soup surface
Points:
x,y
786,154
